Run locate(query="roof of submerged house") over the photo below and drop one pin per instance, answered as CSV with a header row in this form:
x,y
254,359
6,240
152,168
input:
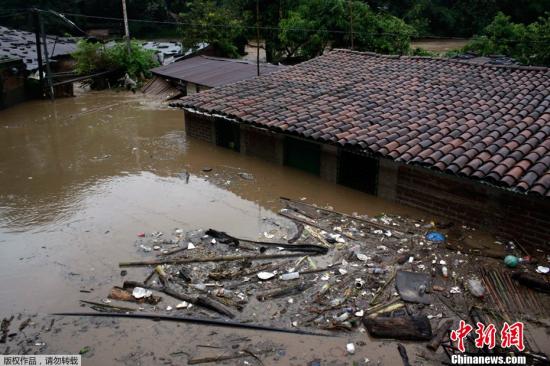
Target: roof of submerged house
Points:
x,y
484,122
213,71
22,44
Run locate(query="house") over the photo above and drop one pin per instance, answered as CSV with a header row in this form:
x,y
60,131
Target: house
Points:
x,y
18,44
470,142
22,44
12,81
194,74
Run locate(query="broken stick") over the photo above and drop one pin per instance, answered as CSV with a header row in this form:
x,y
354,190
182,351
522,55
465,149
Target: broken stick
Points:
x,y
226,258
199,300
188,319
440,334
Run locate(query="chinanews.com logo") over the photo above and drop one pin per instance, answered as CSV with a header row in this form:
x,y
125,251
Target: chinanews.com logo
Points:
x,y
511,336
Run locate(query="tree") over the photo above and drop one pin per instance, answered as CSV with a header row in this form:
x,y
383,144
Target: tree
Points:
x,y
529,44
92,57
212,22
317,24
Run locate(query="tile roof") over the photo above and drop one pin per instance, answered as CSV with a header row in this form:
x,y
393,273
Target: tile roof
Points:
x,y
490,123
21,44
213,71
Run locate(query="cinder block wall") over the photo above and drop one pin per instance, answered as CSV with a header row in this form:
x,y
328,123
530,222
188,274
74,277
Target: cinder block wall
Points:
x,y
329,163
509,215
264,144
200,127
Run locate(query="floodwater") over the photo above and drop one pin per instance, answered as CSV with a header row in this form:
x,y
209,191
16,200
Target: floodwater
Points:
x,y
80,177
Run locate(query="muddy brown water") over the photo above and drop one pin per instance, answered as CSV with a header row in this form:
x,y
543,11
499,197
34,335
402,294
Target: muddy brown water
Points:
x,y
80,177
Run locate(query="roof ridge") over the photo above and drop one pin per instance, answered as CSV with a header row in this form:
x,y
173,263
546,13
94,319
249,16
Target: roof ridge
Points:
x,y
443,59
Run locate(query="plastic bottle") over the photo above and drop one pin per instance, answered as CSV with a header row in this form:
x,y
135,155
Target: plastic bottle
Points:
x,y
290,276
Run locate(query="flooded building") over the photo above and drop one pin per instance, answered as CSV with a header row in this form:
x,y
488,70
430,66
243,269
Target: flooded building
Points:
x,y
12,81
21,45
198,73
459,140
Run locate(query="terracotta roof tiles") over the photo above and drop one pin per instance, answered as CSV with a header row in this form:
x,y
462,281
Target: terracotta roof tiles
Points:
x,y
485,122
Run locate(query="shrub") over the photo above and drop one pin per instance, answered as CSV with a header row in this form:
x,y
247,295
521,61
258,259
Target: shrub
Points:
x,y
94,57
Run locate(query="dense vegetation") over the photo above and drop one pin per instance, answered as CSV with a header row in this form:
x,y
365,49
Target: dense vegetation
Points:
x,y
92,57
299,29
529,44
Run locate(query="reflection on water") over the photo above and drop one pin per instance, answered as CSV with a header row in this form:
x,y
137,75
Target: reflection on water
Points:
x,y
58,157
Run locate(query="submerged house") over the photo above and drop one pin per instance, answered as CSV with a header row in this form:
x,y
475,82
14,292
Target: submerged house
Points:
x,y
198,73
464,141
18,44
12,81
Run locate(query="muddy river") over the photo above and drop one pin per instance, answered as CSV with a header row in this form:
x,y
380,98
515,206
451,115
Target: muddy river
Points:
x,y
80,177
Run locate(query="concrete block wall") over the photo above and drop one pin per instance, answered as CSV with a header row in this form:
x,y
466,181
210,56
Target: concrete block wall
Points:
x,y
329,163
264,144
200,127
506,214
387,179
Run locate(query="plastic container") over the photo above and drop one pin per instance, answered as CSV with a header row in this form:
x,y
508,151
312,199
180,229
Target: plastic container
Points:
x,y
476,287
290,276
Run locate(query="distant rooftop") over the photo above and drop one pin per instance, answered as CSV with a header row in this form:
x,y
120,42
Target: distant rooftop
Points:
x,y
21,44
213,71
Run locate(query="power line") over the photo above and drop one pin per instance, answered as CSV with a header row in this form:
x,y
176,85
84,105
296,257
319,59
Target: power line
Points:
x,y
334,31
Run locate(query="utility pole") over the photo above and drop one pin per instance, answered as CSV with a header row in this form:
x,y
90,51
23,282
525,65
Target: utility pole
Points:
x,y
350,23
36,18
258,37
126,30
48,69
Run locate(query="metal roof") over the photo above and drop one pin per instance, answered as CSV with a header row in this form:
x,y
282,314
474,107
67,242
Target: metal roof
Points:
x,y
213,71
21,44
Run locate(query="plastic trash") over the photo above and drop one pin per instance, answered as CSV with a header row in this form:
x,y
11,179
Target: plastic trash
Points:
x,y
476,287
435,237
350,347
511,261
265,275
182,305
445,271
542,269
362,257
290,276
455,290
377,270
140,292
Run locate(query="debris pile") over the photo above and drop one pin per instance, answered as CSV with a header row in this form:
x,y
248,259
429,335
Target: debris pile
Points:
x,y
390,276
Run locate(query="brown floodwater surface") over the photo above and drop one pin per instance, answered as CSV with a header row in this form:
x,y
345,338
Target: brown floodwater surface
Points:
x,y
80,177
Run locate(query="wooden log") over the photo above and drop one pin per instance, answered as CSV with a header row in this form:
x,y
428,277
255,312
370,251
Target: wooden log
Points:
x,y
414,328
532,281
440,334
225,238
226,258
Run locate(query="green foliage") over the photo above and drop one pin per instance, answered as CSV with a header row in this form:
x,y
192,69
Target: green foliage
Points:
x,y
422,52
210,22
317,24
459,18
529,44
137,63
94,57
90,57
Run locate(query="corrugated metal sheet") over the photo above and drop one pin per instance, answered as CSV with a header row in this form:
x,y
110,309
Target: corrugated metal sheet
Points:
x,y
213,71
21,44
